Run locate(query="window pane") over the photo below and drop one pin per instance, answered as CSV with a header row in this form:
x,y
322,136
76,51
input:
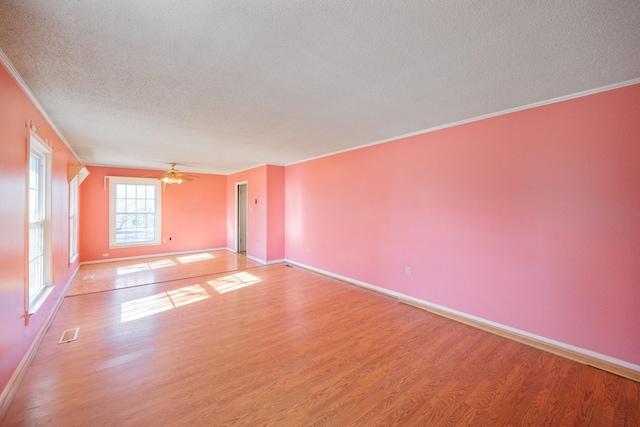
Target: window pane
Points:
x,y
120,205
121,220
151,218
33,250
33,204
34,167
73,219
135,213
36,281
121,228
131,191
39,250
36,258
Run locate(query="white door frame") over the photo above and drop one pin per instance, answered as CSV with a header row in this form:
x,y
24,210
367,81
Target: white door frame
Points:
x,y
236,205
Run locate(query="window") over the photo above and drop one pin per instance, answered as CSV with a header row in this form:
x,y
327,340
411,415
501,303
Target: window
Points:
x,y
73,219
134,207
39,280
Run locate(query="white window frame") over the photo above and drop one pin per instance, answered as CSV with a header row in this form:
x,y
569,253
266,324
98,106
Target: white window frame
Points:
x,y
74,186
38,216
113,183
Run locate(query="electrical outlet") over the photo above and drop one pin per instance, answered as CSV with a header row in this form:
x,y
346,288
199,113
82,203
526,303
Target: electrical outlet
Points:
x,y
407,271
164,240
308,248
106,254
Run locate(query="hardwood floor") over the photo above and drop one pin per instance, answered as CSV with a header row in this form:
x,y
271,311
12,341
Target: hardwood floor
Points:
x,y
124,274
280,346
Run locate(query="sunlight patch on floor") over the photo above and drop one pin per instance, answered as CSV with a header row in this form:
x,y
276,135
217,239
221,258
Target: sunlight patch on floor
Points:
x,y
135,268
195,257
147,306
235,281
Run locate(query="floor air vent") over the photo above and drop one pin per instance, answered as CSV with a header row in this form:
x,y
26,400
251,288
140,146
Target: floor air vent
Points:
x,y
69,335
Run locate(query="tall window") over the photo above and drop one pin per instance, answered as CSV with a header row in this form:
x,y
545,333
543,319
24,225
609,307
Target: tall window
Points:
x,y
39,222
134,212
73,219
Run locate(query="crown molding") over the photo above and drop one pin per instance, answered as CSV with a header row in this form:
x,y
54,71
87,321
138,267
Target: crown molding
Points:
x,y
23,85
482,117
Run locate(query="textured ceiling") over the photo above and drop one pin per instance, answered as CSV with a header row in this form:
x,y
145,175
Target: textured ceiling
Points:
x,y
222,86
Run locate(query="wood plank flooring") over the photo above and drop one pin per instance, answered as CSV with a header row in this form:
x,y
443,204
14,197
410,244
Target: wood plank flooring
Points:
x,y
233,343
124,274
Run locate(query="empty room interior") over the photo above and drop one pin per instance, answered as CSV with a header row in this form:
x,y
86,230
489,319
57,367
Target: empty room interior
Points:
x,y
329,213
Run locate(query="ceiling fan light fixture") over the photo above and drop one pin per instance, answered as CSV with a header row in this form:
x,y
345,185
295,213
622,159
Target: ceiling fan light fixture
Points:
x,y
171,180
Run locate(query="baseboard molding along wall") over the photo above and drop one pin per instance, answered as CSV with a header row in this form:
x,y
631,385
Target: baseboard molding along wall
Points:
x,y
16,379
263,262
577,354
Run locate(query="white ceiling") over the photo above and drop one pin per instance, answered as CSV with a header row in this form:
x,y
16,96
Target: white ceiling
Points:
x,y
222,86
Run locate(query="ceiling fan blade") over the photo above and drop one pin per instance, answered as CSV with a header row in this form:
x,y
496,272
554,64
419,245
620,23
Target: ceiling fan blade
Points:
x,y
172,174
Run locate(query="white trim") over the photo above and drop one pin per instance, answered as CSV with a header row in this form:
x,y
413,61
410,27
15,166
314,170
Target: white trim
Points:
x,y
18,78
577,354
39,299
100,261
123,180
526,334
246,213
261,261
14,73
74,228
478,118
38,147
16,379
348,279
249,168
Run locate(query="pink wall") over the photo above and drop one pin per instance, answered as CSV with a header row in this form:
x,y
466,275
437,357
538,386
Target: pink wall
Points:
x,y
530,219
256,180
275,213
15,110
265,219
193,215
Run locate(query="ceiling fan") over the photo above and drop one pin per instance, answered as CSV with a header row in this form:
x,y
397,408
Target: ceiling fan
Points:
x,y
174,176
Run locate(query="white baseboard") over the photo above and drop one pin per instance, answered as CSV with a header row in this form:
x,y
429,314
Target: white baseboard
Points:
x,y
261,261
16,379
577,354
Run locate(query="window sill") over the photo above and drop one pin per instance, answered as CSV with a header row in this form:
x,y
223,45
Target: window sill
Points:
x,y
73,258
36,302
